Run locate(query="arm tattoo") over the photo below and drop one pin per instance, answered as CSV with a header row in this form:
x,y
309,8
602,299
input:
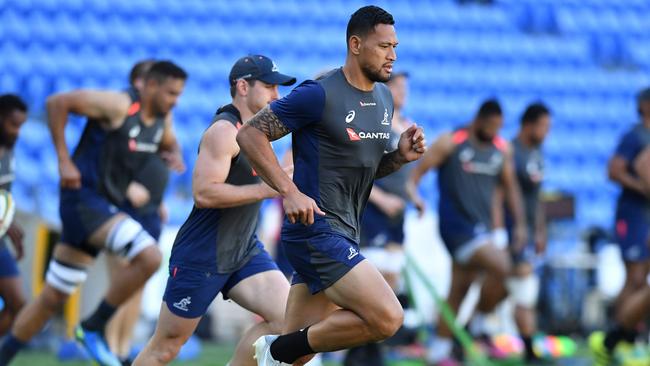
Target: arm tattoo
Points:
x,y
267,122
389,163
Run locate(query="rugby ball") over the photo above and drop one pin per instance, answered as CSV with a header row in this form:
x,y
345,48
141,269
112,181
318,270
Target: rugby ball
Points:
x,y
7,211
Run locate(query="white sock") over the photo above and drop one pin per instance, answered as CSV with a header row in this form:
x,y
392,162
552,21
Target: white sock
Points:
x,y
439,349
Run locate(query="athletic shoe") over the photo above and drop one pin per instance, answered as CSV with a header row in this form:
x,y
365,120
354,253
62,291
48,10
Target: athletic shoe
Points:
x,y
263,351
96,346
602,356
629,354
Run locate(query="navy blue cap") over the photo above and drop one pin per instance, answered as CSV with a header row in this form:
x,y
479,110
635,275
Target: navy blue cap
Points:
x,y
258,67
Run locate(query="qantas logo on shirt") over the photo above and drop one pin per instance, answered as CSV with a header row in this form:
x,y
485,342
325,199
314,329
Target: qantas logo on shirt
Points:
x,y
354,136
367,104
491,167
135,145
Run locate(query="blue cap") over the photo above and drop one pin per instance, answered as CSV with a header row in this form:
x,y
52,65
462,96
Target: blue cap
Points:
x,y
258,67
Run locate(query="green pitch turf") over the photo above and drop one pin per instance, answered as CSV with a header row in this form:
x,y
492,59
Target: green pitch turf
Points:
x,y
218,355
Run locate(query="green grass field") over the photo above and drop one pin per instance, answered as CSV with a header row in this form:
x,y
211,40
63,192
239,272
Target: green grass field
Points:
x,y
218,355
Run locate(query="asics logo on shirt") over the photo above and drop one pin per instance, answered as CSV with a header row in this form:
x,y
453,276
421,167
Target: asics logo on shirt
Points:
x,y
350,117
134,131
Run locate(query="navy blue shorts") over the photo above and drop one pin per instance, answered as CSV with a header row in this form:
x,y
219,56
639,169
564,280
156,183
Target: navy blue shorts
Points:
x,y
82,212
462,237
189,291
377,229
8,266
633,231
321,259
151,222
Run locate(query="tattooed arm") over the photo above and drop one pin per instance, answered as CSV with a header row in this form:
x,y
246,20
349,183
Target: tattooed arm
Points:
x,y
411,146
390,162
254,140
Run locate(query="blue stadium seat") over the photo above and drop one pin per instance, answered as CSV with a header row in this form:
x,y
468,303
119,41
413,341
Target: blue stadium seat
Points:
x,y
518,50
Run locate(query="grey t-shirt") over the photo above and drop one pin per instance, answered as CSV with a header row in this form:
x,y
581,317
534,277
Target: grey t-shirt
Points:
x,y
340,134
529,166
221,239
467,179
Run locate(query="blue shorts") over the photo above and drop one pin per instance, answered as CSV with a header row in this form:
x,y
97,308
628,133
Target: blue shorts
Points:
x,y
8,266
377,229
82,212
189,291
151,221
463,237
633,231
321,259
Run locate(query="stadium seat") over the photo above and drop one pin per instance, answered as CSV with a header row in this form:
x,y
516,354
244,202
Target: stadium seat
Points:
x,y
567,53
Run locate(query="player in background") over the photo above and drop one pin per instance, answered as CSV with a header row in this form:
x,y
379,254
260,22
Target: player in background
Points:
x,y
471,162
216,249
13,114
153,176
95,181
529,168
632,229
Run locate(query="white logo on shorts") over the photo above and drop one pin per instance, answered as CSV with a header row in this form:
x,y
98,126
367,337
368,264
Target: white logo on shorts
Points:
x,y
353,253
182,305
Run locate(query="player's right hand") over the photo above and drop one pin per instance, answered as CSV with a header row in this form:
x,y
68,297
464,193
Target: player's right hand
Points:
x,y
70,176
268,191
300,208
137,194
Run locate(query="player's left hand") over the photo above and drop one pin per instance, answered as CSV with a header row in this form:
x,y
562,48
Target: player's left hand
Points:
x,y
412,143
174,160
15,234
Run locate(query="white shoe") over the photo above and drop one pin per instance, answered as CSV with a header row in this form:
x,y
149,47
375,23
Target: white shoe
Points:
x,y
263,351
316,361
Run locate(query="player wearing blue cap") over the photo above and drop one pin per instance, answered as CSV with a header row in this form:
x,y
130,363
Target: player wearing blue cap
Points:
x,y
216,249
